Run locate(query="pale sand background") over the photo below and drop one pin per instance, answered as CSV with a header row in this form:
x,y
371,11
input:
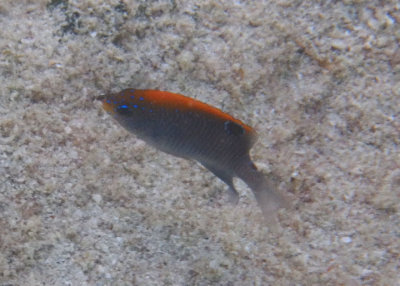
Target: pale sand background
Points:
x,y
82,202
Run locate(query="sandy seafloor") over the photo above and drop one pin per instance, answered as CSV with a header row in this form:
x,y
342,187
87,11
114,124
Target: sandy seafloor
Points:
x,y
83,202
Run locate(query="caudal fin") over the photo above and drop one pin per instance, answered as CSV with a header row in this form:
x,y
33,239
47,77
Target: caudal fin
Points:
x,y
268,199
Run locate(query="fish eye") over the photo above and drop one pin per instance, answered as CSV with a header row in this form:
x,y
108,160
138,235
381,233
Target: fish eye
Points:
x,y
123,109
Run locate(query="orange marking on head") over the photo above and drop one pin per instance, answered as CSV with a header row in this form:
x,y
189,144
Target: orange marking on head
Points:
x,y
109,107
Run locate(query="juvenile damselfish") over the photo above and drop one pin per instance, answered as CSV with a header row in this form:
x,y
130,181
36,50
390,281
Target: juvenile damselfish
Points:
x,y
190,129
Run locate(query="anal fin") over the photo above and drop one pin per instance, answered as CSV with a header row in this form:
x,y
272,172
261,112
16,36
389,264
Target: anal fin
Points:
x,y
227,178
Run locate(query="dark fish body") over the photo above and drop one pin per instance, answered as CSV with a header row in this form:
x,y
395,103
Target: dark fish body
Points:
x,y
188,128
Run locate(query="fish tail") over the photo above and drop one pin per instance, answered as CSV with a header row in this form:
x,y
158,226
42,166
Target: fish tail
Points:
x,y
268,198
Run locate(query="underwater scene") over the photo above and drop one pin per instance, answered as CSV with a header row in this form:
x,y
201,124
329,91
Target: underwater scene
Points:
x,y
203,142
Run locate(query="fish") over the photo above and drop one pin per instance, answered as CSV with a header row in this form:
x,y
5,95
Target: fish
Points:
x,y
190,129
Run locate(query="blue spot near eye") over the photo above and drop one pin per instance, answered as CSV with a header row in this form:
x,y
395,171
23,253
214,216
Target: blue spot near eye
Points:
x,y
135,106
141,98
151,110
142,108
132,96
108,101
123,110
132,90
115,101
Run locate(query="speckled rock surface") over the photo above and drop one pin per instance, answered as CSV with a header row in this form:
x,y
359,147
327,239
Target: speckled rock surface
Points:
x,y
82,202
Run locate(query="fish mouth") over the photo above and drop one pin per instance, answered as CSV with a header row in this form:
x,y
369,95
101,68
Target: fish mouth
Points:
x,y
107,104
